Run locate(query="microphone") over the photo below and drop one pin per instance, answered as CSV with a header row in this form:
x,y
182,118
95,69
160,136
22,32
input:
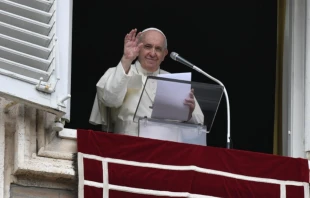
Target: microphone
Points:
x,y
175,56
178,58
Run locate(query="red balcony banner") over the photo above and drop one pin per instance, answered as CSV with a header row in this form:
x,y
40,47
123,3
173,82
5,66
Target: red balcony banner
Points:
x,y
118,166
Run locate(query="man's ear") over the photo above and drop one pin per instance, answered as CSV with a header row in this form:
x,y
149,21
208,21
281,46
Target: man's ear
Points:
x,y
166,52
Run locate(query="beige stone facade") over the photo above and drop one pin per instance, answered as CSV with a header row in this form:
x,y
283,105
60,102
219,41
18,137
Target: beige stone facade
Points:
x,y
34,160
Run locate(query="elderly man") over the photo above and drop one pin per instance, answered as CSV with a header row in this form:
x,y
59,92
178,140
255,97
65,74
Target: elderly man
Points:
x,y
120,88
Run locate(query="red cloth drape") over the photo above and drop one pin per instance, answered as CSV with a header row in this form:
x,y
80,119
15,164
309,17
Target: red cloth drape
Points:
x,y
171,153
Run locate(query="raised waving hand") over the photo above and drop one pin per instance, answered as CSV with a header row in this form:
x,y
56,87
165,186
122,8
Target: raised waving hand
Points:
x,y
131,49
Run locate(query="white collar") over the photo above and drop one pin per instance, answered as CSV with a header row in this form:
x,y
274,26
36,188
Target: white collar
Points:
x,y
141,70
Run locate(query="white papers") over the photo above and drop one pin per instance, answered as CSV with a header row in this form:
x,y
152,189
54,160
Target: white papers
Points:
x,y
170,97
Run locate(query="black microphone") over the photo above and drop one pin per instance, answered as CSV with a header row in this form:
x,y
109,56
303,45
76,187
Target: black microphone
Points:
x,y
176,57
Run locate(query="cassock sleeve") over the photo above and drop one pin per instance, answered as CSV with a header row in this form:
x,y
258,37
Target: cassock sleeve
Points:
x,y
197,115
112,86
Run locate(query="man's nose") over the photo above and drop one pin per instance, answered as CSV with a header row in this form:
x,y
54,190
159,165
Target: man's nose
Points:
x,y
153,52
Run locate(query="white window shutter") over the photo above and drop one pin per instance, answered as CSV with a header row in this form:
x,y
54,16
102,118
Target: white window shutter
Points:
x,y
35,53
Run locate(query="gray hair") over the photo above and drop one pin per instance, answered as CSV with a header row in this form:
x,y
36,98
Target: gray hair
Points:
x,y
158,30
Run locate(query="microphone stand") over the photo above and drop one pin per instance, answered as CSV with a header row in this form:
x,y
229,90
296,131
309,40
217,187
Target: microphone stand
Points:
x,y
176,57
227,101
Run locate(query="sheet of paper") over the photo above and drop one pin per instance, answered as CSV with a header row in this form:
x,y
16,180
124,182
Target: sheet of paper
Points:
x,y
170,97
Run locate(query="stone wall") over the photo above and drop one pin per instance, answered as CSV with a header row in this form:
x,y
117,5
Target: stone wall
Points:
x,y
32,155
18,191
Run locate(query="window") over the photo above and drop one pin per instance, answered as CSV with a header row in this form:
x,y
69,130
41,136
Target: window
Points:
x,y
35,53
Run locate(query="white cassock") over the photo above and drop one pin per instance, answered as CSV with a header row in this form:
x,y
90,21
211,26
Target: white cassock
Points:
x,y
118,95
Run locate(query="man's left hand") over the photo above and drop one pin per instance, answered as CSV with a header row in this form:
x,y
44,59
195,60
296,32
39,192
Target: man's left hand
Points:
x,y
191,103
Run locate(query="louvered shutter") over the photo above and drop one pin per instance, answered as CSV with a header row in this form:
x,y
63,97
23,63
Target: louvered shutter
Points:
x,y
35,53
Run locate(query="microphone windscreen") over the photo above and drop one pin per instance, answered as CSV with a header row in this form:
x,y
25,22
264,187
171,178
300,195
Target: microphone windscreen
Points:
x,y
173,55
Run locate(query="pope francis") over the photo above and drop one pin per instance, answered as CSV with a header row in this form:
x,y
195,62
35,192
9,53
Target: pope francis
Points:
x,y
119,89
